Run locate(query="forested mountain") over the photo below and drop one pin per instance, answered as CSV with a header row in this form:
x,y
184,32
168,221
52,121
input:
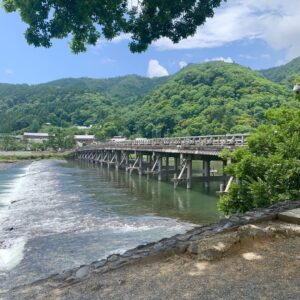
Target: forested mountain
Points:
x,y
69,102
210,98
284,74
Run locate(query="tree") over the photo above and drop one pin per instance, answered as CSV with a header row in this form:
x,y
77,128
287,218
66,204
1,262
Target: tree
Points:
x,y
60,139
8,143
268,169
86,20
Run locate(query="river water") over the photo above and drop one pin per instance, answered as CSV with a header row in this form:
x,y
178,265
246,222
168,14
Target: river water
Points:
x,y
56,215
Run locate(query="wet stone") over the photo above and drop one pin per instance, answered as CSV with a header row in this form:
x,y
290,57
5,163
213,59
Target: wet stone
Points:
x,y
98,264
82,272
113,257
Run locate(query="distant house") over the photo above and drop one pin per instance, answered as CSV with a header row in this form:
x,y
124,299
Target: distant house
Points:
x,y
84,127
296,88
36,137
118,138
84,139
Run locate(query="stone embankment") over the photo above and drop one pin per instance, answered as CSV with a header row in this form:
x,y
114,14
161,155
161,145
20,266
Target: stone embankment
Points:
x,y
196,241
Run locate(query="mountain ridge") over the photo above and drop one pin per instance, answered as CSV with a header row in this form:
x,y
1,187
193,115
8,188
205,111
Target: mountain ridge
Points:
x,y
192,101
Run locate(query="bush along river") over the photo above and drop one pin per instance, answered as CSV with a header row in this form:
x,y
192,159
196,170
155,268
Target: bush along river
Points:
x,y
57,215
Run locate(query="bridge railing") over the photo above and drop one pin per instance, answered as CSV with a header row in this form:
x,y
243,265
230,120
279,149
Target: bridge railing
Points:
x,y
205,141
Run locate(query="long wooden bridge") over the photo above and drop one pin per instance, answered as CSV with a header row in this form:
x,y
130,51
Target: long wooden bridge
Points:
x,y
163,155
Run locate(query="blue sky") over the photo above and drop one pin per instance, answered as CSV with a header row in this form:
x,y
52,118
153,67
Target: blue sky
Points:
x,y
257,34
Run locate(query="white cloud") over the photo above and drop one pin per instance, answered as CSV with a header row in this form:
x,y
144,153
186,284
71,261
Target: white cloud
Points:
x,y
274,21
122,37
107,60
9,71
102,42
156,70
182,64
227,60
265,56
228,25
246,56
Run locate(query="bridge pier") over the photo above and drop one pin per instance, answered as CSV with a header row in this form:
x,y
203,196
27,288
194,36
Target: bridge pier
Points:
x,y
206,167
167,159
159,175
189,172
140,168
176,164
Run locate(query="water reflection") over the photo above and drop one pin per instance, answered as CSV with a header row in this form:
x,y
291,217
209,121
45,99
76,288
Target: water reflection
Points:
x,y
146,195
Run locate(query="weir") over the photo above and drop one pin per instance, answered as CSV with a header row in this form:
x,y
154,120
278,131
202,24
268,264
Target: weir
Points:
x,y
168,156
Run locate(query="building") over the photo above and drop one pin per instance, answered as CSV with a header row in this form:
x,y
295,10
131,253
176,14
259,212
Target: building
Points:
x,y
84,127
36,137
296,88
82,140
118,138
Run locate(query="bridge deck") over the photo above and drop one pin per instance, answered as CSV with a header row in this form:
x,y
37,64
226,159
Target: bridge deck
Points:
x,y
197,145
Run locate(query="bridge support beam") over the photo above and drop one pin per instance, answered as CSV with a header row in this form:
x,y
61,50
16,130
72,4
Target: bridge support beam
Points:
x,y
206,168
159,177
189,172
118,159
176,164
167,165
126,160
140,168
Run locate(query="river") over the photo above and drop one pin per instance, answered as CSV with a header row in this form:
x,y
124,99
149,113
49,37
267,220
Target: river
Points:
x,y
56,215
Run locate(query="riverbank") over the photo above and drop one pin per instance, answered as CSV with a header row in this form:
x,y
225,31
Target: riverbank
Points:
x,y
227,260
264,269
15,156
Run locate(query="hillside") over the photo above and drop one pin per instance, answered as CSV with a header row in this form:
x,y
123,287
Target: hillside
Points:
x,y
69,102
210,98
284,74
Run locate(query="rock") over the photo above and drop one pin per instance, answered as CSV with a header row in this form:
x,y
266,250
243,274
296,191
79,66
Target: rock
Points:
x,y
113,257
82,272
290,216
159,247
98,264
214,247
9,229
181,248
252,232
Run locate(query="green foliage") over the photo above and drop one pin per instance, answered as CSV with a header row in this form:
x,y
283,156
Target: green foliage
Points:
x,y
86,21
68,102
8,143
285,74
211,98
268,169
60,140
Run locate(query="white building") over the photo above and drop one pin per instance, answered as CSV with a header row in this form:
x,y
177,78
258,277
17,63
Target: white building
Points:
x,y
84,139
36,137
296,88
118,138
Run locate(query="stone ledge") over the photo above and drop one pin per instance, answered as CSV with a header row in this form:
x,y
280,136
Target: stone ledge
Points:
x,y
222,244
290,216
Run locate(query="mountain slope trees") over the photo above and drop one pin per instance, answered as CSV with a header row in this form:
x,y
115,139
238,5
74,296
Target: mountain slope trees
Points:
x,y
210,98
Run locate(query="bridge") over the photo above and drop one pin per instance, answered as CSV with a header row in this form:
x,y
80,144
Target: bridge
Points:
x,y
164,155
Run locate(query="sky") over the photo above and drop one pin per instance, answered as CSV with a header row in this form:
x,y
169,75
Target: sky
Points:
x,y
257,34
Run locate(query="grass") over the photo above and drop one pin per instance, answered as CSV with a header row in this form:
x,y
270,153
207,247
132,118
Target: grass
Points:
x,y
33,156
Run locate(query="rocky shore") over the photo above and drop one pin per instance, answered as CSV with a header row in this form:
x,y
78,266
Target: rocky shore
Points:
x,y
231,233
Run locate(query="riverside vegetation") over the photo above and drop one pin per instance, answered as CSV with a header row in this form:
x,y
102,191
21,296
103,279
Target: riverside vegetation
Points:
x,y
211,98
